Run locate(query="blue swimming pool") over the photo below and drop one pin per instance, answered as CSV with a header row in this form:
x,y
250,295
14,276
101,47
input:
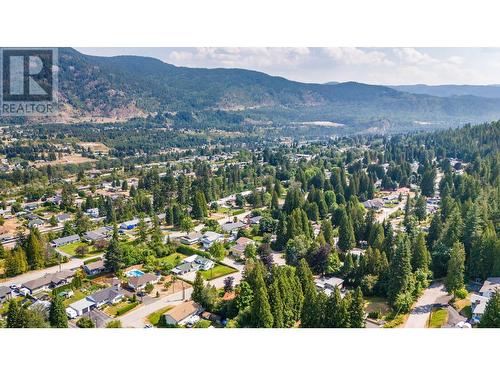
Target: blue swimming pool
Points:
x,y
134,273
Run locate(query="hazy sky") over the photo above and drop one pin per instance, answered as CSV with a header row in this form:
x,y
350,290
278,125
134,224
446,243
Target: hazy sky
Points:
x,y
369,65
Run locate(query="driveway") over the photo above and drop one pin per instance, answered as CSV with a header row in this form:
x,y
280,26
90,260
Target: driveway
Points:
x,y
434,295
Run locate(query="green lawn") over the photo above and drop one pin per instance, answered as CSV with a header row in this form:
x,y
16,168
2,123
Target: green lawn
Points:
x,y
154,318
172,259
438,318
218,271
70,249
122,306
76,297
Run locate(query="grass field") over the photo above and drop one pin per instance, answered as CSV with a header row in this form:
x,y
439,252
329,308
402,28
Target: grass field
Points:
x,y
154,318
438,318
463,306
124,306
70,249
218,271
172,259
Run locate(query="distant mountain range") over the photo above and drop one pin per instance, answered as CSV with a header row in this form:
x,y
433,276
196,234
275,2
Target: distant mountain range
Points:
x,y
485,91
118,88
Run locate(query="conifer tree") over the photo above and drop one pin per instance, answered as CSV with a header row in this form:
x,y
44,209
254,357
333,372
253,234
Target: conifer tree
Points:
x,y
421,258
399,270
491,316
57,313
357,310
456,266
346,233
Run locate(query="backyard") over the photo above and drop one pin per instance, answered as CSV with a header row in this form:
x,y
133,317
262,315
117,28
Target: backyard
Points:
x,y
218,271
120,308
172,259
70,249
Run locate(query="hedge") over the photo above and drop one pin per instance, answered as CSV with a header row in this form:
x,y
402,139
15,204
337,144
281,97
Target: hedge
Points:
x,y
126,308
188,250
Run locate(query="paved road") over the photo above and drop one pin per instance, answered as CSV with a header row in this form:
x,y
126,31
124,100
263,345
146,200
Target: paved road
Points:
x,y
72,263
434,294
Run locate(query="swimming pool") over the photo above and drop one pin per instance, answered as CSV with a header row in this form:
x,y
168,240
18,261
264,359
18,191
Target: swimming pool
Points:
x,y
134,273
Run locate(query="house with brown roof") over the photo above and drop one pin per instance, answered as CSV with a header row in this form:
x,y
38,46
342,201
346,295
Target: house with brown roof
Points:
x,y
139,282
183,313
238,250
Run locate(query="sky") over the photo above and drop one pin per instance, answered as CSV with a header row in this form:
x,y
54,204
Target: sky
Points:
x,y
386,66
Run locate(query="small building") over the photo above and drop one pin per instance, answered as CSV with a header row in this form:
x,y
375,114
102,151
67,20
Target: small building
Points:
x,y
191,238
238,250
94,268
182,269
139,282
329,284
374,204
209,238
131,224
65,240
182,313
79,308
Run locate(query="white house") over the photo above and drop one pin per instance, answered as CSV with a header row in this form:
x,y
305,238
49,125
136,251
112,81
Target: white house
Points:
x,y
209,238
191,238
490,286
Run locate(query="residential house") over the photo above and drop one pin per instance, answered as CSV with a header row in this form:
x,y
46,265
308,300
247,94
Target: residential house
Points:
x,y
139,282
35,223
62,218
181,314
65,240
108,296
49,281
193,263
238,250
327,285
102,233
5,294
94,268
254,220
478,305
191,238
93,212
490,286
233,227
374,204
209,238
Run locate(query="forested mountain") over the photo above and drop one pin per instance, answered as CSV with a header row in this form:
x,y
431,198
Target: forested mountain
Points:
x,y
129,86
485,91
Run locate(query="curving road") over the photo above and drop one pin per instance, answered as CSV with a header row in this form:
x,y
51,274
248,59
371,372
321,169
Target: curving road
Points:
x,y
419,315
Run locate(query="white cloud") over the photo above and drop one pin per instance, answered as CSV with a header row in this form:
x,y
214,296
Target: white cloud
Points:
x,y
357,56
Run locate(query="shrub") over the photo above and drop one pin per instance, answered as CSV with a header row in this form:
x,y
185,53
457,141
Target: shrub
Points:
x,y
461,293
126,308
85,322
114,324
375,314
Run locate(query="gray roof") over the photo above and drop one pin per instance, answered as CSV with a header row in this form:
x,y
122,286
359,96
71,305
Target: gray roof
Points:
x,y
65,240
491,284
98,233
183,267
228,227
63,216
4,291
95,265
48,279
106,295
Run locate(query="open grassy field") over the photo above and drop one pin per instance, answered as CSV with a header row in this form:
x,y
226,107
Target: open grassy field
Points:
x,y
218,271
172,259
439,317
377,304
